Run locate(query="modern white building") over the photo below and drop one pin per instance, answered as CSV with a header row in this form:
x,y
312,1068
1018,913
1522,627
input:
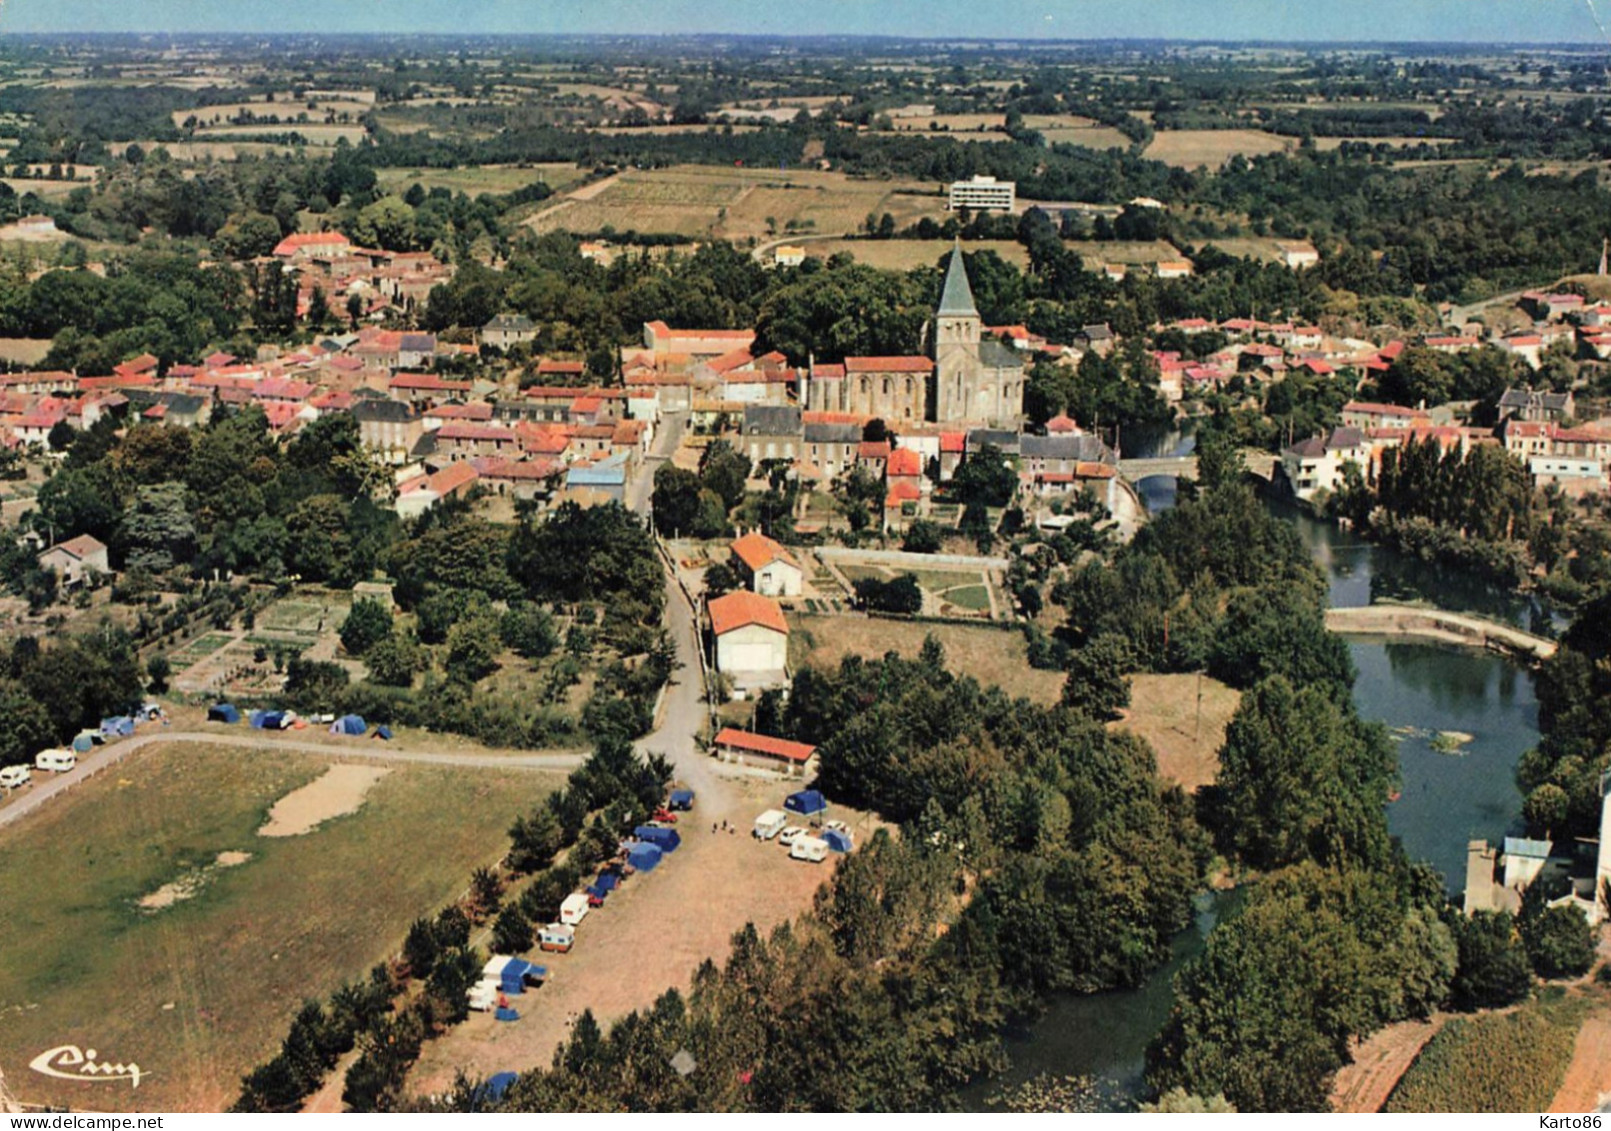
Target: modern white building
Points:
x,y
981,194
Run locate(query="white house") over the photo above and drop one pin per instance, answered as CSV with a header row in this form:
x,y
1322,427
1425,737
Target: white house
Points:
x,y
1317,464
771,571
752,640
75,558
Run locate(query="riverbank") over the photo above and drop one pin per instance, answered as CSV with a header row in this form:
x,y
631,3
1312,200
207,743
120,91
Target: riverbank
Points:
x,y
1438,626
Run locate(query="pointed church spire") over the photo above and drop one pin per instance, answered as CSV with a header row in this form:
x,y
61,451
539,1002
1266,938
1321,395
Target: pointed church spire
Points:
x,y
957,298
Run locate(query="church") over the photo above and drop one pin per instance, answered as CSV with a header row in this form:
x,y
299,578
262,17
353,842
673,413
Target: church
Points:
x,y
967,381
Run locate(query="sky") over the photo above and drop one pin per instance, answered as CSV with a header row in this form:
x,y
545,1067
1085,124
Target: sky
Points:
x,y
1519,21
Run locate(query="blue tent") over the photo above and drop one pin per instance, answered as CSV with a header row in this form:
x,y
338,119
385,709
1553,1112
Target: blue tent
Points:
x,y
223,713
643,857
349,724
666,840
266,720
493,1090
807,803
384,732
607,881
682,799
83,744
506,1014
512,978
118,727
598,893
836,840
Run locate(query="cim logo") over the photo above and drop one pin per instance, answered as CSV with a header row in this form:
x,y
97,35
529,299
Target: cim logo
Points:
x,y
69,1062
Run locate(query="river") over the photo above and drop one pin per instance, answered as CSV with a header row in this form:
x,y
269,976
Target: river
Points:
x,y
1447,800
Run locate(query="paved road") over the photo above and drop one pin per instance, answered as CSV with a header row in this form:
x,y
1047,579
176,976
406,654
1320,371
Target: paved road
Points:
x,y
49,786
672,427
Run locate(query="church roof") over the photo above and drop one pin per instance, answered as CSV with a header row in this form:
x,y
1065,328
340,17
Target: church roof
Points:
x,y
957,298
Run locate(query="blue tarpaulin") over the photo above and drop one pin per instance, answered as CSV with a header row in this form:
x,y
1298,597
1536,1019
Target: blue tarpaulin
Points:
x,y
836,840
807,802
118,727
349,724
643,857
682,799
494,1088
223,713
383,732
607,881
666,840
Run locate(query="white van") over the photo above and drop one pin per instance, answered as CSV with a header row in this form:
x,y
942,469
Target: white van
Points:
x,y
59,761
484,996
770,823
574,909
556,937
15,777
809,848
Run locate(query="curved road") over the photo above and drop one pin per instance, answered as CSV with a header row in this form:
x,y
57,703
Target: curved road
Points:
x,y
365,750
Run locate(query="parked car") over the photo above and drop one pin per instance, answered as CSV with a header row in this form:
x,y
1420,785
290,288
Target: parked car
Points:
x,y
791,834
837,826
15,777
665,816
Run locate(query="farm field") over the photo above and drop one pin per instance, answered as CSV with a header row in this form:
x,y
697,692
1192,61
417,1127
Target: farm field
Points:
x,y
200,990
475,180
990,655
905,255
317,134
1262,248
1189,149
1495,1062
737,203
1098,252
1163,710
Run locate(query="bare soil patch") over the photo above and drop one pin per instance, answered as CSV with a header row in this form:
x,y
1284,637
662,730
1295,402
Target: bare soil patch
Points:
x,y
191,883
1164,710
338,791
1588,1078
1190,149
1379,1061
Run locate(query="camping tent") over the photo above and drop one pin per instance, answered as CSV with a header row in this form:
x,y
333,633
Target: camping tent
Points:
x,y
807,803
666,840
607,881
266,720
836,840
118,727
349,724
643,857
682,799
223,713
383,732
504,1013
83,744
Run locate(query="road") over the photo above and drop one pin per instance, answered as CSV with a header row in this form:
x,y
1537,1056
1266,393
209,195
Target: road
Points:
x,y
366,750
1460,315
672,427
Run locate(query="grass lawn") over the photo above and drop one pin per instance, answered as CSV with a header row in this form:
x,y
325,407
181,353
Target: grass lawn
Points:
x,y
1163,710
306,614
201,991
990,655
975,597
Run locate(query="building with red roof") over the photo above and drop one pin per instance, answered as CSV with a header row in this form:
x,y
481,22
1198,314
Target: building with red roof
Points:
x,y
762,751
767,567
752,639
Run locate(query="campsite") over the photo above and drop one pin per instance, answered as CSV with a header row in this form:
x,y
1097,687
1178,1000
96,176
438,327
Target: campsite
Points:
x,y
200,990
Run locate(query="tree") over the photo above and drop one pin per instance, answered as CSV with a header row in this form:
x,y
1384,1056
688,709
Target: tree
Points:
x,y
898,595
675,500
368,622
528,630
1098,682
1546,810
472,649
721,577
923,536
511,933
420,948
157,669
393,660
247,235
1493,969
985,478
1558,940
158,530
724,471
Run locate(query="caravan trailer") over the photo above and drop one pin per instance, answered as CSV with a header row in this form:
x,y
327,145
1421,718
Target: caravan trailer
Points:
x,y
809,848
574,909
58,761
15,777
556,937
770,823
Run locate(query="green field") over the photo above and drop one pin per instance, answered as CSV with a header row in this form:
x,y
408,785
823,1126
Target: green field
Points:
x,y
199,992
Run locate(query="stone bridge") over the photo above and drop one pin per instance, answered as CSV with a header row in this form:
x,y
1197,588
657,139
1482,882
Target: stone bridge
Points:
x,y
1259,463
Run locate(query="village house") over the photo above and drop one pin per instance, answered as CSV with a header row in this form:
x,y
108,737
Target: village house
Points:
x,y
762,751
767,568
1539,406
388,428
831,441
770,432
1318,463
508,330
418,495
659,338
751,640
76,560
1298,255
1365,415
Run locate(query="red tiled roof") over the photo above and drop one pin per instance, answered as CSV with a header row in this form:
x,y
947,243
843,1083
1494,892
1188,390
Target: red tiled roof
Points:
x,y
765,744
875,450
757,551
888,365
903,462
739,609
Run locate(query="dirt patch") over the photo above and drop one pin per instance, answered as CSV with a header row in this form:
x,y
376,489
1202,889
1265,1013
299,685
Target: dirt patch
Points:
x,y
1184,718
189,885
1379,1062
338,791
1587,1086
